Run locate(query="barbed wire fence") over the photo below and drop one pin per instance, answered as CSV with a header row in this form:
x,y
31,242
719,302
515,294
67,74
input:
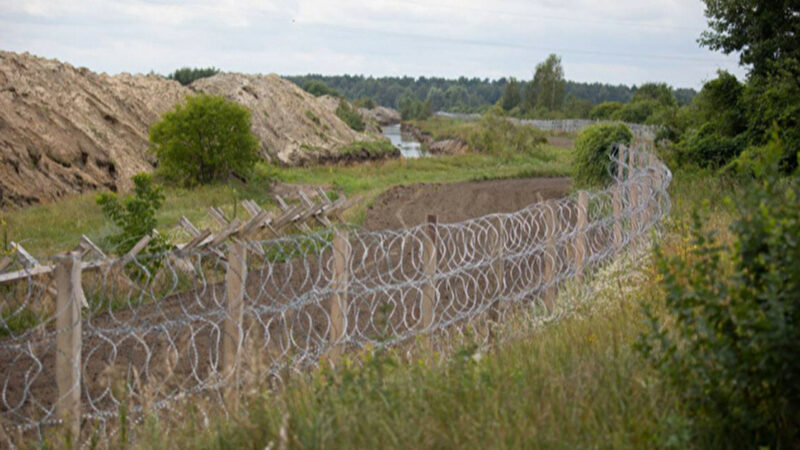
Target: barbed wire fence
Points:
x,y
111,339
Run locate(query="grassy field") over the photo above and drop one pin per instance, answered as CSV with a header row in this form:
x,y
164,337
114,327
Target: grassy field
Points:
x,y
46,229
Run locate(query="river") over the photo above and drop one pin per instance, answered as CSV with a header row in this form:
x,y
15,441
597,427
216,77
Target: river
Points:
x,y
409,147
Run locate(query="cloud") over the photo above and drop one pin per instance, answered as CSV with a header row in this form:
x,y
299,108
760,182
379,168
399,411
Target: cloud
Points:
x,y
622,41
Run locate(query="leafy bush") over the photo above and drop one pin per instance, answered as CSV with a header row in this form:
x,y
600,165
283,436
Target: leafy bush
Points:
x,y
593,149
350,116
412,108
496,135
706,147
135,215
366,103
605,110
204,140
186,75
318,89
731,336
637,112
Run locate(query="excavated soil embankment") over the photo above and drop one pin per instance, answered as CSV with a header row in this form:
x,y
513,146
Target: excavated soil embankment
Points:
x,y
406,206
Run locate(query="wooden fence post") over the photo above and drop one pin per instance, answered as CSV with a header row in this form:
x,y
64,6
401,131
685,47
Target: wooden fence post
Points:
x,y
338,301
430,261
580,237
232,333
68,341
550,254
499,270
634,194
617,200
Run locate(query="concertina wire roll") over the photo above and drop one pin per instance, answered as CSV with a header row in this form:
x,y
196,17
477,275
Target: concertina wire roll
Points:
x,y
159,328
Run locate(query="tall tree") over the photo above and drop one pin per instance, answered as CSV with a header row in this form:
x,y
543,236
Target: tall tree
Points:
x,y
549,84
511,95
762,30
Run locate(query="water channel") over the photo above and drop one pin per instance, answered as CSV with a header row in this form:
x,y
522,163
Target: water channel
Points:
x,y
409,147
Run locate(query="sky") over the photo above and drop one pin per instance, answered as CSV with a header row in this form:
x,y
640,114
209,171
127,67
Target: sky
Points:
x,y
613,41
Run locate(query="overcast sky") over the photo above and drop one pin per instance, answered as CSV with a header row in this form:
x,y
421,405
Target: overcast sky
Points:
x,y
613,41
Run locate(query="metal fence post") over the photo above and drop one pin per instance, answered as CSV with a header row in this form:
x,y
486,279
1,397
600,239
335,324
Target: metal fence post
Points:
x,y
338,301
68,341
232,332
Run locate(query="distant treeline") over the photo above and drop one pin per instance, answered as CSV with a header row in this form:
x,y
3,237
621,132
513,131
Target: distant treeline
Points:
x,y
462,94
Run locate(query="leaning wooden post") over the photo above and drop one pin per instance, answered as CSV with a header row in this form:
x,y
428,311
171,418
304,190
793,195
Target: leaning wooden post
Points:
x,y
580,237
497,247
430,260
68,341
232,332
550,254
338,302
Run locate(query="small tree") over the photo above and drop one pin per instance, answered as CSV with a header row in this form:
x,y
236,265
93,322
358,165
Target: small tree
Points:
x,y
204,140
135,215
350,116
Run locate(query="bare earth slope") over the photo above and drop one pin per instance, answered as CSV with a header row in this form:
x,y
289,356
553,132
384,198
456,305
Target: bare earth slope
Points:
x,y
406,206
66,130
294,126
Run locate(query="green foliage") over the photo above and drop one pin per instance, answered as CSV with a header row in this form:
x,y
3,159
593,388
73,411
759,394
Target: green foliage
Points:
x,y
206,139
576,108
658,92
366,103
411,108
135,215
350,116
761,31
547,87
511,95
186,75
773,100
731,336
605,110
496,135
593,150
318,89
706,147
369,149
459,95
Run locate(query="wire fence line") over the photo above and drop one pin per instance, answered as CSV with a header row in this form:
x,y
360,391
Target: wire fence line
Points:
x,y
138,333
647,132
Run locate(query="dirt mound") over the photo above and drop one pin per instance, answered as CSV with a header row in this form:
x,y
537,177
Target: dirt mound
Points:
x,y
405,206
294,126
65,130
381,114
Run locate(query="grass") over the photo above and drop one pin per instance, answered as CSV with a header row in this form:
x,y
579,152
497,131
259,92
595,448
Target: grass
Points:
x,y
576,383
46,229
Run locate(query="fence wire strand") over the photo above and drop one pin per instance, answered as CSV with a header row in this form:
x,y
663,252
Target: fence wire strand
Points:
x,y
160,328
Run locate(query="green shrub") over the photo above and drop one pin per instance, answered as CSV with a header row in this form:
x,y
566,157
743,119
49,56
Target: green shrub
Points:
x,y
350,116
366,103
494,134
204,140
185,75
605,110
318,88
707,147
730,338
135,215
593,149
637,112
